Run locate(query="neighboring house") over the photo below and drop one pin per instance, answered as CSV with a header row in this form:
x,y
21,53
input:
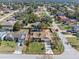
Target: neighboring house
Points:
x,y
12,19
72,22
8,25
64,19
39,11
70,9
9,37
2,35
6,35
76,28
6,10
51,8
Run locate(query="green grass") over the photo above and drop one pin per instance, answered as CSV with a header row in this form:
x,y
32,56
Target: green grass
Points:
x,y
77,22
35,47
65,27
74,42
59,48
7,46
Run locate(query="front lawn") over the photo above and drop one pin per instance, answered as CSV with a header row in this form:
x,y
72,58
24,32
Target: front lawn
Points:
x,y
74,42
7,46
35,48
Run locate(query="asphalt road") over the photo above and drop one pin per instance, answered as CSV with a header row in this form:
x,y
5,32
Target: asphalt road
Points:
x,y
9,15
12,13
16,56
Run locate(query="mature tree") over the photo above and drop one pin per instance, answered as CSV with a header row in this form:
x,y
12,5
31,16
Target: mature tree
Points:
x,y
16,6
32,18
17,26
77,11
46,21
54,11
70,14
0,26
29,10
26,19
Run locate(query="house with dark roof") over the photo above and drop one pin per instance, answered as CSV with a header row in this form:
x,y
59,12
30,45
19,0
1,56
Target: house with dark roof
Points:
x,y
76,28
72,22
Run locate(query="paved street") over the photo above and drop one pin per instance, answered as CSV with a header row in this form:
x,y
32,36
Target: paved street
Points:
x,y
23,56
9,15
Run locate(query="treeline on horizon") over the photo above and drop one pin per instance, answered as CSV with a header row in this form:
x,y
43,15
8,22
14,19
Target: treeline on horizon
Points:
x,y
39,1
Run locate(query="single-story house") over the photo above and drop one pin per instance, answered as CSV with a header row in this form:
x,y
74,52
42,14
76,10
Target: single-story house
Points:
x,y
72,22
39,34
8,25
63,18
6,35
67,20
76,28
6,10
12,19
9,37
2,35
